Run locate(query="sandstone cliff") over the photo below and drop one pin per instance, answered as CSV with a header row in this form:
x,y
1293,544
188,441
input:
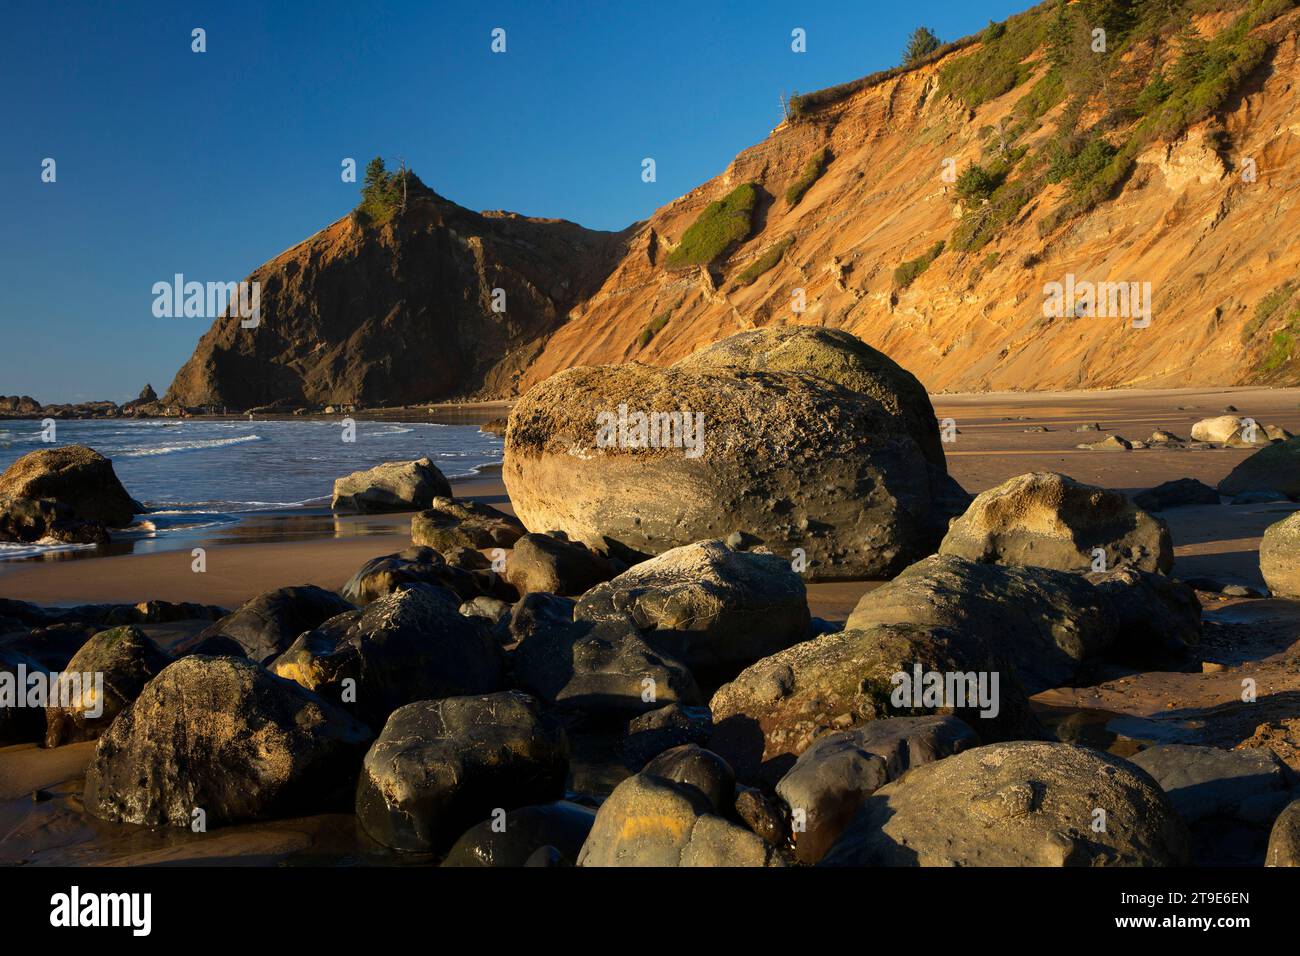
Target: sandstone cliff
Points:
x,y
1203,210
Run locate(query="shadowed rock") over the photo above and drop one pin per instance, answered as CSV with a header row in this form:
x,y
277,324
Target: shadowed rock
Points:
x,y
229,738
714,608
832,778
448,524
411,645
598,667
126,659
441,766
72,475
1273,469
1176,494
19,723
1154,614
1044,623
383,575
561,826
266,625
549,563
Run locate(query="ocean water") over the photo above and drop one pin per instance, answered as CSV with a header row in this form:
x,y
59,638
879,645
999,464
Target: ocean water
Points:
x,y
202,474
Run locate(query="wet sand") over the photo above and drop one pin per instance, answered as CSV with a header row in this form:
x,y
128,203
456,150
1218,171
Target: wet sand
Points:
x,y
1123,709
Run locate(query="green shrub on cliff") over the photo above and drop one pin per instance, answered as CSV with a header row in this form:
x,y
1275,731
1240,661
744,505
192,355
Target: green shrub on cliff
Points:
x,y
766,261
721,225
382,193
908,272
812,172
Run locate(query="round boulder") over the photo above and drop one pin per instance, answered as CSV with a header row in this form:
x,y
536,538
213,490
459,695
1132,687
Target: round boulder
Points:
x,y
226,737
103,677
440,766
72,475
640,460
1279,557
267,624
1045,519
1017,804
392,486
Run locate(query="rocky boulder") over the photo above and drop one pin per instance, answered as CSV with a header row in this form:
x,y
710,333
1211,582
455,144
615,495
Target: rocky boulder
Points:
x,y
655,731
1204,782
833,777
1272,469
392,486
715,608
1154,614
652,820
264,626
75,476
42,519
798,461
125,659
441,766
1220,429
1047,520
552,564
561,826
410,645
1016,804
1042,622
226,737
1279,557
776,708
448,524
836,356
603,668
1176,494
383,575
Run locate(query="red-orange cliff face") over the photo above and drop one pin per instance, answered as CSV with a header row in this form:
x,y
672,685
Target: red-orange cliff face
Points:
x,y
403,314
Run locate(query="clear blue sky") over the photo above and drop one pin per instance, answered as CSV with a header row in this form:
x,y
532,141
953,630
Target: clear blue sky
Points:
x,y
210,164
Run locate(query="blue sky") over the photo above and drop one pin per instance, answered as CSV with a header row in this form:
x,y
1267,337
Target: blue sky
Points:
x,y
209,164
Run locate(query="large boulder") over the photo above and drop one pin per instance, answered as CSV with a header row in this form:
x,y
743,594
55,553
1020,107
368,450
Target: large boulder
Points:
x,y
834,355
226,737
1044,623
392,486
1176,494
562,825
832,778
604,667
798,461
410,645
1154,614
441,766
1047,520
419,565
1279,557
73,475
1220,429
448,523
654,820
776,708
101,680
1017,804
43,519
713,607
552,564
655,731
264,626
1275,468
1206,782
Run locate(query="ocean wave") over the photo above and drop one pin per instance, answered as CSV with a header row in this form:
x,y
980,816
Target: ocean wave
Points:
x,y
14,550
196,445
